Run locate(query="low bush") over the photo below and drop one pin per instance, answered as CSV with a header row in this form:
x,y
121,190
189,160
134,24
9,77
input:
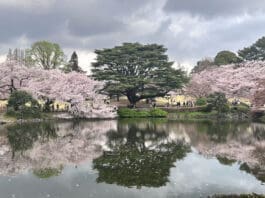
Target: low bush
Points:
x,y
201,101
240,108
225,108
22,105
135,113
24,112
207,108
158,113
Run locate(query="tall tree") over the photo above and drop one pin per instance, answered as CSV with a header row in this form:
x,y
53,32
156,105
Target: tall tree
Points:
x,y
73,64
255,52
137,71
203,65
45,54
225,58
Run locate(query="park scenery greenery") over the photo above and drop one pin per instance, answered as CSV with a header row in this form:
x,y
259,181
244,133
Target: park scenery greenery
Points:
x,y
40,79
133,82
132,98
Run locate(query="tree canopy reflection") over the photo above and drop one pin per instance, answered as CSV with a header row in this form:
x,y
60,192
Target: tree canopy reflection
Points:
x,y
22,136
139,156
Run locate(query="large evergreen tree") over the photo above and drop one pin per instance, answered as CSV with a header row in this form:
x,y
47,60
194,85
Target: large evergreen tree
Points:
x,y
255,52
74,62
137,71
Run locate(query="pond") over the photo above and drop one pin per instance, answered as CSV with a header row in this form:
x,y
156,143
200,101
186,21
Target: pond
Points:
x,y
131,158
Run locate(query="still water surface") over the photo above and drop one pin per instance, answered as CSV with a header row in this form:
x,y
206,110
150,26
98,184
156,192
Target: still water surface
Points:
x,y
131,158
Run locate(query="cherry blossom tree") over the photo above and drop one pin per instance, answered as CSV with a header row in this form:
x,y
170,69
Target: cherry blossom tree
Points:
x,y
235,80
78,89
259,96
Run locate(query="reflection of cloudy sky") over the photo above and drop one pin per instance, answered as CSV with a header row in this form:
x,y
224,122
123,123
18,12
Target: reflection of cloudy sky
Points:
x,y
208,176
192,177
190,29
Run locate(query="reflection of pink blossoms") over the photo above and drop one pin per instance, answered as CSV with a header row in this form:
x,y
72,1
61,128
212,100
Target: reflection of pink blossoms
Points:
x,y
76,88
236,80
259,96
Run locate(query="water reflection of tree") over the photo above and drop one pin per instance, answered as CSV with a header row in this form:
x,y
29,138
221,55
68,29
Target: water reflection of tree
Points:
x,y
139,156
22,136
45,173
257,171
220,131
259,132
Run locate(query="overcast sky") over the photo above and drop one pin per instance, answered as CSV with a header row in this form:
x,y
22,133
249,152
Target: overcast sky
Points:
x,y
190,29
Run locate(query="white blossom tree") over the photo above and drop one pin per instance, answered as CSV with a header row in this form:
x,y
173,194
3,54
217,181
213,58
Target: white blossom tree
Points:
x,y
76,88
235,80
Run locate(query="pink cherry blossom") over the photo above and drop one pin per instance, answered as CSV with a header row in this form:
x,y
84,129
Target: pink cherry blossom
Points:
x,y
81,91
235,80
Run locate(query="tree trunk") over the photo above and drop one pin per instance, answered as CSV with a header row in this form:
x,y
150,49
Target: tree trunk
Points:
x,y
12,87
132,99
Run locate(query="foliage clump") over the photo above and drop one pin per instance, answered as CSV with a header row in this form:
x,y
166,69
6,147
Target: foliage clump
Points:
x,y
22,105
254,52
225,58
219,102
201,101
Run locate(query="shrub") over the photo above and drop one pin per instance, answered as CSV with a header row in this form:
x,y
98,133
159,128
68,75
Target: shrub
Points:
x,y
20,98
225,108
22,105
207,108
201,102
158,113
218,102
241,108
24,112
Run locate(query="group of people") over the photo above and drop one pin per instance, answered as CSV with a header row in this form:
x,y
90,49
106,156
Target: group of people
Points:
x,y
57,108
236,102
2,108
188,103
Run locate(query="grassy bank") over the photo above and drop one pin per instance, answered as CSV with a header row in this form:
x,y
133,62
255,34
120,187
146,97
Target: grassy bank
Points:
x,y
137,113
240,112
197,115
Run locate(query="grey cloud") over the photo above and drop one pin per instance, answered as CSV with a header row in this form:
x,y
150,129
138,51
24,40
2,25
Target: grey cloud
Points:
x,y
80,18
15,23
214,8
96,24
